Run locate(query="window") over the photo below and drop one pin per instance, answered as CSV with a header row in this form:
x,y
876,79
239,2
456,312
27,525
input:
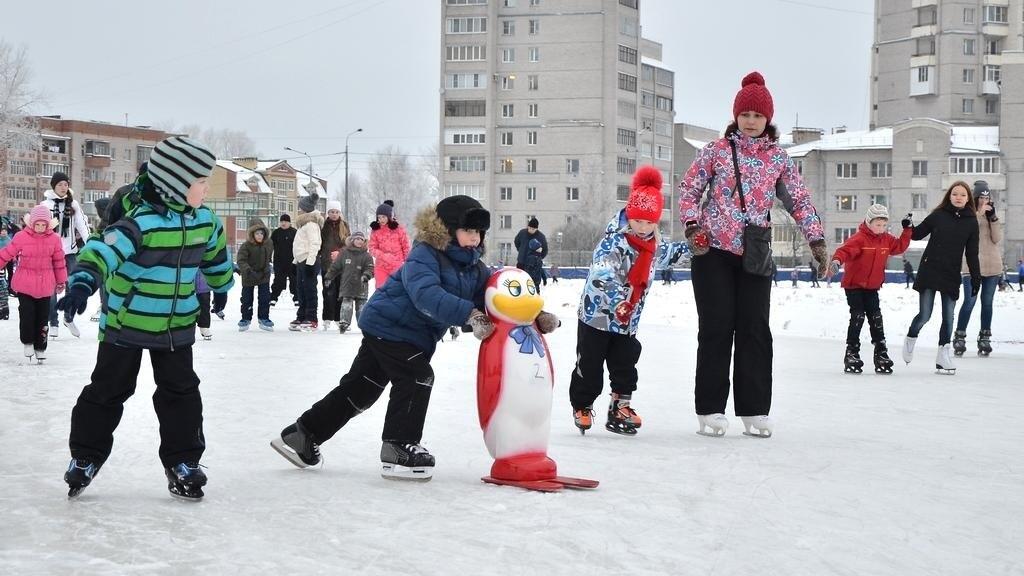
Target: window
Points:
x,y
663,128
508,28
968,106
993,47
647,99
510,3
663,103
843,234
968,46
21,193
531,193
996,14
23,168
991,106
534,54
505,193
664,77
627,26
926,16
628,3
531,165
922,73
572,166
534,26
881,169
647,124
128,179
471,190
622,193
846,203
97,148
625,165
992,73
533,82
508,82
466,163
507,165
627,82
880,199
920,168
466,138
49,168
974,165
627,55
645,149
128,154
625,137
456,108
925,46
647,73
968,15
506,138
241,223
508,55
663,153
465,53
465,2
627,109
846,170
531,110
968,75
467,80
799,166
572,193
507,110
534,3
506,221
531,138
142,153
475,25
919,200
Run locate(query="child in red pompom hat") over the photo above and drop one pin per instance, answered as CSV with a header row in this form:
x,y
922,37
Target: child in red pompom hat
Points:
x,y
613,297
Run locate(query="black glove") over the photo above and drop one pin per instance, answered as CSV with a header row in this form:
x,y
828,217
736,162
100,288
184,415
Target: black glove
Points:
x,y
908,221
547,322
975,285
990,215
820,253
697,239
75,300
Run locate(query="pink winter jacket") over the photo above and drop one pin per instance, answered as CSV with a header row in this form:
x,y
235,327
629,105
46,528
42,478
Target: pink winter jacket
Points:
x,y
389,247
767,173
40,262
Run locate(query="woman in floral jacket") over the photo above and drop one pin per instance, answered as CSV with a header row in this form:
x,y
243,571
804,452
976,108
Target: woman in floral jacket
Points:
x,y
732,304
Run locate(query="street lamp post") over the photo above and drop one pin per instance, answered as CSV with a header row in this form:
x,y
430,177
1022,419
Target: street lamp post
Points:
x,y
347,215
310,187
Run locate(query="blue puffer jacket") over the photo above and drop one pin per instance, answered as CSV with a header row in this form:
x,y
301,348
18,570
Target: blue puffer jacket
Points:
x,y
438,286
607,282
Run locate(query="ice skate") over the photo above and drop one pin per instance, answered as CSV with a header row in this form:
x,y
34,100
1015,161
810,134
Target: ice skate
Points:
x,y
40,355
205,333
984,343
79,475
70,325
29,351
342,327
185,481
243,325
944,361
883,364
328,325
712,424
584,418
266,324
95,316
219,314
622,419
758,426
297,445
852,362
53,332
309,326
406,462
908,349
295,325
959,342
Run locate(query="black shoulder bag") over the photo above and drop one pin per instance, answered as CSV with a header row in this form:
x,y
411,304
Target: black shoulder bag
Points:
x,y
757,240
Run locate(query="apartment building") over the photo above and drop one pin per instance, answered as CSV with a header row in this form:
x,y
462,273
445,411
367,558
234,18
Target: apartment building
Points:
x,y
547,108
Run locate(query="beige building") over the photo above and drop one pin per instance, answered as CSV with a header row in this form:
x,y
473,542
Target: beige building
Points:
x,y
547,108
97,156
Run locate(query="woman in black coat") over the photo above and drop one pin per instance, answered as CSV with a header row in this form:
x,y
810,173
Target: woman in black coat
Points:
x,y
953,231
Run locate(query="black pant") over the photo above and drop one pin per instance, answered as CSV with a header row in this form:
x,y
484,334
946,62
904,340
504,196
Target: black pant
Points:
x,y
204,310
864,303
306,276
220,301
284,274
32,314
70,261
331,308
262,302
377,363
179,407
732,305
594,348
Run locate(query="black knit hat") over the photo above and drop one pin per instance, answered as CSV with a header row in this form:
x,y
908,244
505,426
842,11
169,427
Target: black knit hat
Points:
x,y
57,178
285,218
533,223
981,189
463,212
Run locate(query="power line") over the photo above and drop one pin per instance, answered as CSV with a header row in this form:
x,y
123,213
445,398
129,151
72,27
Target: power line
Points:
x,y
820,7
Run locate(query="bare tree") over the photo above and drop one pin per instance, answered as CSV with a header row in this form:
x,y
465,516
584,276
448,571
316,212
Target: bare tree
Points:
x,y
394,177
361,206
431,165
19,129
581,233
224,142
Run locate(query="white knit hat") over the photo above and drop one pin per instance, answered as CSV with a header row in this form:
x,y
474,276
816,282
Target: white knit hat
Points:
x,y
876,211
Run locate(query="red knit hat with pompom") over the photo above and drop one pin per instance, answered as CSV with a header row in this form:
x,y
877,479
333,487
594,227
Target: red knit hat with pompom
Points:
x,y
645,200
753,97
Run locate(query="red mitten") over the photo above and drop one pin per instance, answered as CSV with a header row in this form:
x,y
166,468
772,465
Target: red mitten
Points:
x,y
624,312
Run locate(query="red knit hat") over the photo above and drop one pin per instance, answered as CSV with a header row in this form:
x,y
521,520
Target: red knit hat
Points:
x,y
645,200
753,97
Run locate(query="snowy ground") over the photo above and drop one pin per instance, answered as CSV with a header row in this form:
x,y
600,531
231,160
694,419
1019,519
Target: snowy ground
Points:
x,y
913,473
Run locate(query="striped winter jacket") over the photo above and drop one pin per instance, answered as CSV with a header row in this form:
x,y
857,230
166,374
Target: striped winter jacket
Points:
x,y
148,262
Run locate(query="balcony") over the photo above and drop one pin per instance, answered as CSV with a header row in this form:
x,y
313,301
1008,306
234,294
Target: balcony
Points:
x,y
924,30
992,60
97,161
918,61
998,29
923,3
97,185
989,88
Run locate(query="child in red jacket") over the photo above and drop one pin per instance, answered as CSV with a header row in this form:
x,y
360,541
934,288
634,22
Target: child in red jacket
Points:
x,y
863,257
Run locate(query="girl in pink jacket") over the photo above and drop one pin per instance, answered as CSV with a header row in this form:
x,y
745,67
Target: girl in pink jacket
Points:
x,y
389,244
41,272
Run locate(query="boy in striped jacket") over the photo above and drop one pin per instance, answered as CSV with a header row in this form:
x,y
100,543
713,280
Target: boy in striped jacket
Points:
x,y
148,262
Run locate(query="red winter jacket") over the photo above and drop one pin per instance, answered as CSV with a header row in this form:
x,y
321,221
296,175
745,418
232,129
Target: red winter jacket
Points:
x,y
389,248
864,254
40,262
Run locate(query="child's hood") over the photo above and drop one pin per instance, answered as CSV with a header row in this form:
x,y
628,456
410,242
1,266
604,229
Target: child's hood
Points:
x,y
431,230
306,217
256,224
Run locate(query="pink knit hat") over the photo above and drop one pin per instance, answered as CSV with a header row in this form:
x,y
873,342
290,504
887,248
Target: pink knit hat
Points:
x,y
40,213
753,97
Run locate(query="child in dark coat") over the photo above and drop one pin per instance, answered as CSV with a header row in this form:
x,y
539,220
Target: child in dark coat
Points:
x,y
354,265
253,261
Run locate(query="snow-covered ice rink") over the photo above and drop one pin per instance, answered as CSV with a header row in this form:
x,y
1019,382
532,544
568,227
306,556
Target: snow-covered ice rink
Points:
x,y
911,474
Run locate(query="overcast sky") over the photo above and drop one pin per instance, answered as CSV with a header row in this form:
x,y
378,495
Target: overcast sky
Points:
x,y
305,73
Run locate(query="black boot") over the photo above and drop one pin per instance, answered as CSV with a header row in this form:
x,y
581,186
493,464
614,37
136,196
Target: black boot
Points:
x,y
186,480
406,461
852,362
959,342
297,445
883,364
79,475
984,343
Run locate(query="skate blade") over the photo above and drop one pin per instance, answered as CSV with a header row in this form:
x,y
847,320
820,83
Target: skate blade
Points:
x,y
714,434
185,495
883,370
278,445
621,430
945,371
75,491
396,472
533,485
763,434
853,370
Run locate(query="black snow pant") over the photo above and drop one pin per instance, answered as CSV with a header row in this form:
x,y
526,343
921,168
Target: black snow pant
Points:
x,y
378,362
179,407
204,310
307,276
284,274
594,348
864,304
32,315
732,307
330,292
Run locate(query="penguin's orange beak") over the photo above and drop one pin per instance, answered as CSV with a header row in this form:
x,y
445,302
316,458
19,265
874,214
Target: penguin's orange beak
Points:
x,y
522,308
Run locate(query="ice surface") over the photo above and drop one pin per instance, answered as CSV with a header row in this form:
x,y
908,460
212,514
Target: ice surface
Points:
x,y
911,474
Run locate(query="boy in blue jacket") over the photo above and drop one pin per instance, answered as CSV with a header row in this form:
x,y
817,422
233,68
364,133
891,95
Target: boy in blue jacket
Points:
x,y
441,284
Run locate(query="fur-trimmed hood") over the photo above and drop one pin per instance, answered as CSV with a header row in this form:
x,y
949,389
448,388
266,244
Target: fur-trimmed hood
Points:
x,y
254,225
431,230
307,217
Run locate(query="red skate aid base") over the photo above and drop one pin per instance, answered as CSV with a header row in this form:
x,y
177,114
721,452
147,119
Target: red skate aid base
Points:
x,y
533,472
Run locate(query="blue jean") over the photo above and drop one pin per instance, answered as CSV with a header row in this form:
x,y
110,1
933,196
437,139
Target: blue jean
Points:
x,y
305,277
926,303
263,302
988,290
